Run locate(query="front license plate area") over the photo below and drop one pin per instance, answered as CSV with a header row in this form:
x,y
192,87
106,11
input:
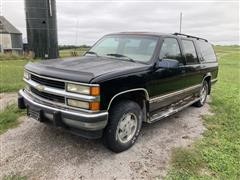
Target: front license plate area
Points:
x,y
35,114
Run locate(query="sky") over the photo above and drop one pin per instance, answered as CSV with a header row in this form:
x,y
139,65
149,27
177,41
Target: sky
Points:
x,y
84,22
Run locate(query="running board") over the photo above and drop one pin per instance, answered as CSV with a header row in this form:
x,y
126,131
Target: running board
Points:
x,y
169,112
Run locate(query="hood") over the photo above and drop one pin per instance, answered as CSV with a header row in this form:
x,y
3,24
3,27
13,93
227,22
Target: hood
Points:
x,y
83,69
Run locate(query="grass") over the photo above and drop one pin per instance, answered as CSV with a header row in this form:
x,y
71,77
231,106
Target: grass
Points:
x,y
217,155
11,74
69,52
8,118
9,56
14,176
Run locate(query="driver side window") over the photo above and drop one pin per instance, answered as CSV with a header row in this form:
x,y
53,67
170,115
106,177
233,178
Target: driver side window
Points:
x,y
170,50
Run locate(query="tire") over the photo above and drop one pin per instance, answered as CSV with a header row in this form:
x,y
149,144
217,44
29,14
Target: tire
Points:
x,y
119,135
203,95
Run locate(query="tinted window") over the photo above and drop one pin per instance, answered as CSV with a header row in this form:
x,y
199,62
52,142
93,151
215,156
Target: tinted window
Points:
x,y
190,52
170,50
207,51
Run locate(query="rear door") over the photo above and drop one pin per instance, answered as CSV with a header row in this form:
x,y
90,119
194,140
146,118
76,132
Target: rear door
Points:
x,y
165,82
193,76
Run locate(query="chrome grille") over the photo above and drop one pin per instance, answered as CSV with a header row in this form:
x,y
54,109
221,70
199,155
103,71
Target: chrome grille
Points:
x,y
48,96
48,82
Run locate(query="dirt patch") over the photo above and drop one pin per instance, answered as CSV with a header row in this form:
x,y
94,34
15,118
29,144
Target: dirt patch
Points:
x,y
41,152
7,99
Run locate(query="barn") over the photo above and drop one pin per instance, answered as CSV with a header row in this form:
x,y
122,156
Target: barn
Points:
x,y
10,37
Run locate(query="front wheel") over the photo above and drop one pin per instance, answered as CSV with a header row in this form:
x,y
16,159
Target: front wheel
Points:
x,y
124,125
203,95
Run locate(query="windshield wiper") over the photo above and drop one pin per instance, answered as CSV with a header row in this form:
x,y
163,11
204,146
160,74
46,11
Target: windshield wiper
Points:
x,y
91,52
121,56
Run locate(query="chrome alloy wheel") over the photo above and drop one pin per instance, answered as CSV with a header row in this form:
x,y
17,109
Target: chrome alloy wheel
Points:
x,y
127,127
203,94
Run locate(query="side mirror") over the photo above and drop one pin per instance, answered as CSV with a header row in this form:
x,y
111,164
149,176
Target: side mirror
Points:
x,y
168,63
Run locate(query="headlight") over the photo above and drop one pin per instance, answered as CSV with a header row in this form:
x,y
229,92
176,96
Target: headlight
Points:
x,y
81,89
78,88
94,106
26,75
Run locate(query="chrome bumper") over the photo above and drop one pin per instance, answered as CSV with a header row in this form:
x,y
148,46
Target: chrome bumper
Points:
x,y
65,117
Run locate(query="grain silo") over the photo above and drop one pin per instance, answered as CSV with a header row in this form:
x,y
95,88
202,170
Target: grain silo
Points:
x,y
42,28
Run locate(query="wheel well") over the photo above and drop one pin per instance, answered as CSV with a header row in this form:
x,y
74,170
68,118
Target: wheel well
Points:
x,y
139,97
208,79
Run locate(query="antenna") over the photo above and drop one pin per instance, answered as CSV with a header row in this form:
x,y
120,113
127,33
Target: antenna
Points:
x,y
180,30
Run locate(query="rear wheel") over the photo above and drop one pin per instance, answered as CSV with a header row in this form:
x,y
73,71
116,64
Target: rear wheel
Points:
x,y
203,95
124,125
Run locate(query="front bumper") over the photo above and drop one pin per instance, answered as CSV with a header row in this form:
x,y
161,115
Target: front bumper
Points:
x,y
89,125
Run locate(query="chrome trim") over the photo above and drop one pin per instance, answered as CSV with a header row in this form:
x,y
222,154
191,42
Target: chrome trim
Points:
x,y
131,90
51,103
85,125
61,80
62,93
159,98
171,112
69,112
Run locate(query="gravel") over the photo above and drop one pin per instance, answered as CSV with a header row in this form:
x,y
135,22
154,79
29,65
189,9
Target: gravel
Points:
x,y
38,151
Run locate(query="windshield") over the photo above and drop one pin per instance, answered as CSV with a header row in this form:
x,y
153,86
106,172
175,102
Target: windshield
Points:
x,y
126,47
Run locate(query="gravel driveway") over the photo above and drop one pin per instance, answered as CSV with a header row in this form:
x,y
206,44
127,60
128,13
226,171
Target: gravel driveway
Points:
x,y
41,152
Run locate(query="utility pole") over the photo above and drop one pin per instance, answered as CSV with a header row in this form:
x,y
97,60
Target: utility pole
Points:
x,y
1,36
180,30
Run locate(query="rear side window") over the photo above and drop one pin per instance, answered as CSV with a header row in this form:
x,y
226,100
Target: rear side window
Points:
x,y
206,51
170,50
190,52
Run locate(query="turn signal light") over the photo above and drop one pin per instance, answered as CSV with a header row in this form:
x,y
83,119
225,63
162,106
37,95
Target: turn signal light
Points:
x,y
94,106
95,91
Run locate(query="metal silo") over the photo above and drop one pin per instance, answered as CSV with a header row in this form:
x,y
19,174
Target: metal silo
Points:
x,y
42,28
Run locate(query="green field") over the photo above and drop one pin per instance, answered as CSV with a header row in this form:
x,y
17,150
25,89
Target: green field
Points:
x,y
69,52
11,74
217,155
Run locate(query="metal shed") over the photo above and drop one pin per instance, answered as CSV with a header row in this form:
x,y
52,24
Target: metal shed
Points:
x,y
10,37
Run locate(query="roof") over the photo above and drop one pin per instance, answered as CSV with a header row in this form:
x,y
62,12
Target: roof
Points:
x,y
7,27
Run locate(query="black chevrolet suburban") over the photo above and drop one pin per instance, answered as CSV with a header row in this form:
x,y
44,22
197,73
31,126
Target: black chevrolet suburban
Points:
x,y
125,79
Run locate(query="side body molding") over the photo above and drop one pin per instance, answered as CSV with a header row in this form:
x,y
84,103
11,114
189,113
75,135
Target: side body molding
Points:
x,y
127,91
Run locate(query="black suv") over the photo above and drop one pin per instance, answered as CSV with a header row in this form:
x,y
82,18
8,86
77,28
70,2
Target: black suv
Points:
x,y
125,79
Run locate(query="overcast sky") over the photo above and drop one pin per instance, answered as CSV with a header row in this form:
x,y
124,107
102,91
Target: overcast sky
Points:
x,y
217,21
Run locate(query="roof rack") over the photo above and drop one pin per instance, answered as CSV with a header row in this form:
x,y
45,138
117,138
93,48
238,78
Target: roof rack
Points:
x,y
189,36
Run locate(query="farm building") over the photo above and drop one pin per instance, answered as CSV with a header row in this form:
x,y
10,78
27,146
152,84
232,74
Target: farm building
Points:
x,y
10,37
